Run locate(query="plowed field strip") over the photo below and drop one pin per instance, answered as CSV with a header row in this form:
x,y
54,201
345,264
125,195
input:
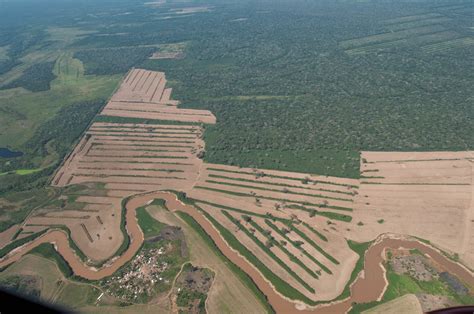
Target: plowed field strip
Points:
x,y
144,126
139,153
266,174
138,166
304,202
287,191
139,133
170,112
204,204
151,135
139,156
134,160
140,149
128,176
138,145
133,169
150,130
257,181
138,140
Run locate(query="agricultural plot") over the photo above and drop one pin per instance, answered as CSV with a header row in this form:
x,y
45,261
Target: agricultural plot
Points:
x,y
429,195
143,94
115,161
282,218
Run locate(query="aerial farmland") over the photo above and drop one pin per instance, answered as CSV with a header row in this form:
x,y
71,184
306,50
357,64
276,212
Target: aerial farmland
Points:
x,y
226,163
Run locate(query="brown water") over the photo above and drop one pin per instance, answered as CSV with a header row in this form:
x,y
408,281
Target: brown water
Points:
x,y
366,288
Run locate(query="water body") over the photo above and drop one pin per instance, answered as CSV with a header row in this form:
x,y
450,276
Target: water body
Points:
x,y
7,153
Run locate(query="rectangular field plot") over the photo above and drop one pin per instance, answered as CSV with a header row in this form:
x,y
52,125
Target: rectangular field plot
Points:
x,y
424,194
143,94
159,155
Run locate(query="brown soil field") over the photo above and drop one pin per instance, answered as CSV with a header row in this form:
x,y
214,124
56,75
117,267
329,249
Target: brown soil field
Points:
x,y
142,94
429,195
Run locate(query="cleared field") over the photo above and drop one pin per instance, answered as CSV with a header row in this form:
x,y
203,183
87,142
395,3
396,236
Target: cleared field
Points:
x,y
143,94
126,159
121,160
429,195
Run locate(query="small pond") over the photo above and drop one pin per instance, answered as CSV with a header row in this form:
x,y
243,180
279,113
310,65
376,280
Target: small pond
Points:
x,y
6,153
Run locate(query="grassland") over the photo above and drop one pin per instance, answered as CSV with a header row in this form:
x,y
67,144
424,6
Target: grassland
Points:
x,y
54,287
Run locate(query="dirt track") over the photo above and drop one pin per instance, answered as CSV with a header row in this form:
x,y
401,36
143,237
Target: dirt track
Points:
x,y
366,288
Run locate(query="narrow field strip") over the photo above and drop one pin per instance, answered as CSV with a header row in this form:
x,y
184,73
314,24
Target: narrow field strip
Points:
x,y
241,211
140,156
299,247
137,144
142,125
143,140
132,166
144,131
132,169
136,135
273,198
129,160
280,177
257,181
113,148
128,176
268,251
412,160
174,112
275,190
330,215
